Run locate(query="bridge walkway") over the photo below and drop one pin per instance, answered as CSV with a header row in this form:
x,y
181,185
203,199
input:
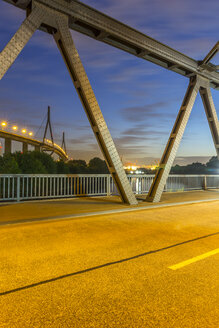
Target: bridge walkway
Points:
x,y
56,209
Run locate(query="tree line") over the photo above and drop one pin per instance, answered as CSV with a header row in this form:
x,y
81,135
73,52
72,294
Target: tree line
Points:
x,y
211,167
41,163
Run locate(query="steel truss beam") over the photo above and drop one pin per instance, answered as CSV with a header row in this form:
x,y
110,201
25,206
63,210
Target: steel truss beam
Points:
x,y
211,114
57,24
95,24
211,54
20,39
197,84
79,77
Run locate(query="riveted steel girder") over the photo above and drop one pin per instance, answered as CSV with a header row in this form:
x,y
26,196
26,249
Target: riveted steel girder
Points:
x,y
211,114
19,40
81,82
197,84
173,143
97,25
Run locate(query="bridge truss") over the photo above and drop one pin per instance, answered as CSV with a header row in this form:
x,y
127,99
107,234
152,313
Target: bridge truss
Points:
x,y
57,17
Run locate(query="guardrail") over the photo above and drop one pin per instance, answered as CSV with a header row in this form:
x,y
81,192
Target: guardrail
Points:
x,y
17,187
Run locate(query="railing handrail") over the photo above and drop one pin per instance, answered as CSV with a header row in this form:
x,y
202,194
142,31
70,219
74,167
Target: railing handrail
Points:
x,y
16,187
56,175
84,175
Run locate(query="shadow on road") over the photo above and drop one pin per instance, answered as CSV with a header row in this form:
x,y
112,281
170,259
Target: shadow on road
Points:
x,y
103,265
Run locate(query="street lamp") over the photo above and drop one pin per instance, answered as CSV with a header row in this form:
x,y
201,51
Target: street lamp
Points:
x,y
23,130
14,128
3,124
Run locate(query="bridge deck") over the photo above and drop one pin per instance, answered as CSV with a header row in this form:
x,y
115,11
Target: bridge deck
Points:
x,y
113,270
85,206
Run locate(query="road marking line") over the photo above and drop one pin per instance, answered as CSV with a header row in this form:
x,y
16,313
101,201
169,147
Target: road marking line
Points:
x,y
194,259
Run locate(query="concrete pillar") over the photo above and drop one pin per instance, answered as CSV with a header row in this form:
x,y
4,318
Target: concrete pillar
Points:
x,y
37,148
7,146
204,186
25,147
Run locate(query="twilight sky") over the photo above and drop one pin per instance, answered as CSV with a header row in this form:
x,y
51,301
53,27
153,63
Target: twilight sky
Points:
x,y
139,100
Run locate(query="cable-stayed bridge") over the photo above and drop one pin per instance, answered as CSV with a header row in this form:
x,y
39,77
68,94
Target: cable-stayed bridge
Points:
x,y
46,144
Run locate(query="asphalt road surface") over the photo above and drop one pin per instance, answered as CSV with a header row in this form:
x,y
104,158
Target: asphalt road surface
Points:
x,y
152,268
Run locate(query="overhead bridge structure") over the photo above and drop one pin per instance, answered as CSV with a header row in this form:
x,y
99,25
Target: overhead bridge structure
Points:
x,y
45,145
57,17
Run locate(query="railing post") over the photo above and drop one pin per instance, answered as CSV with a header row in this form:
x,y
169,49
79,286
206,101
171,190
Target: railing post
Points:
x,y
108,185
18,188
204,183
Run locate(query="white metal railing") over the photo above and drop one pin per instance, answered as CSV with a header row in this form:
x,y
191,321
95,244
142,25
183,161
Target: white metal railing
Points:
x,y
16,187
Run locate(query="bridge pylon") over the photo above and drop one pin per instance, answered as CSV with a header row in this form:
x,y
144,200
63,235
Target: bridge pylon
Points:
x,y
48,126
63,146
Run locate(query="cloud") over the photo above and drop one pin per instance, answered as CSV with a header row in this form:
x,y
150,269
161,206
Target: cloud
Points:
x,y
17,109
196,47
129,140
10,14
142,130
43,40
129,73
146,112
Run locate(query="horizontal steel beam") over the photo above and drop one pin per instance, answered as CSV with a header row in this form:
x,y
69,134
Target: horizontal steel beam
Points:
x,y
33,142
99,26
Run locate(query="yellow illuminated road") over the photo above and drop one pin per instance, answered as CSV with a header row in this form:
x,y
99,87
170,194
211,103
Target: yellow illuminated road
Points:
x,y
109,270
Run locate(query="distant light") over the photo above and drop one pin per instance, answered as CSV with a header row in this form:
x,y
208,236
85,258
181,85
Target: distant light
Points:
x,y
23,131
14,128
30,133
3,123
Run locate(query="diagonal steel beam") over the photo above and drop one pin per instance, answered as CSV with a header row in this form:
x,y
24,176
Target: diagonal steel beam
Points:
x,y
211,54
169,154
211,114
79,77
20,39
